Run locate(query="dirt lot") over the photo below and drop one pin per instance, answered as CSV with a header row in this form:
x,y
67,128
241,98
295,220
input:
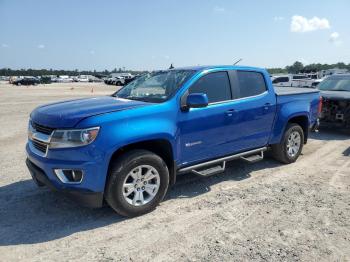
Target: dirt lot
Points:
x,y
263,211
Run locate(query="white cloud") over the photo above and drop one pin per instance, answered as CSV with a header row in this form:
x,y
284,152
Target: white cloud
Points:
x,y
278,18
219,9
334,38
41,46
167,57
301,24
4,45
92,52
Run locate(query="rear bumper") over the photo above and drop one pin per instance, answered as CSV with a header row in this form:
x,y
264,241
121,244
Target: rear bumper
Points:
x,y
84,197
315,126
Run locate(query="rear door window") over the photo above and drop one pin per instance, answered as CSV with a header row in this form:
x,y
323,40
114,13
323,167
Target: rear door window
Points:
x,y
250,84
215,85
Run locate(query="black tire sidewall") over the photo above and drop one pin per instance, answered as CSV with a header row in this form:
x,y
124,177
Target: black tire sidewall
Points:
x,y
118,174
292,128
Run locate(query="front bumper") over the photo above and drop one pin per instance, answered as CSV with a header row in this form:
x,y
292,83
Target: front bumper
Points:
x,y
85,198
90,191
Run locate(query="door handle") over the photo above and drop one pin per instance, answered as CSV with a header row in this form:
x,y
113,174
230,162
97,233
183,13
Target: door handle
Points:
x,y
230,112
266,106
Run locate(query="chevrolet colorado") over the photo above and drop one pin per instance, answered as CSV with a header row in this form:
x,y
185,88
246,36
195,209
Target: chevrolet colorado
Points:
x,y
129,147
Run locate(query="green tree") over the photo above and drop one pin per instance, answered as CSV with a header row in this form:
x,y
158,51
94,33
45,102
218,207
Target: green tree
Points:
x,y
297,67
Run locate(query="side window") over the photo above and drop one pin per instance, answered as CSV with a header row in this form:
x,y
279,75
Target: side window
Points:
x,y
215,85
299,77
250,83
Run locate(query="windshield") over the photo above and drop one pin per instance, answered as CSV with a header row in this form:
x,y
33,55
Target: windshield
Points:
x,y
335,84
155,87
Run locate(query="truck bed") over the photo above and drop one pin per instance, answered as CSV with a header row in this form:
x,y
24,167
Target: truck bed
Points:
x,y
282,91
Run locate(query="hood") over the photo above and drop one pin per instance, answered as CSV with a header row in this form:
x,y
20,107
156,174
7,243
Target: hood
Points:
x,y
336,95
67,114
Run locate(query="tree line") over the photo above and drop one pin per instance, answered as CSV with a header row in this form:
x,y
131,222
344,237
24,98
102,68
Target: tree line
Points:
x,y
296,67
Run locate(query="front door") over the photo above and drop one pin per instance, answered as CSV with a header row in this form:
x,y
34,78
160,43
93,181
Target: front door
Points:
x,y
204,131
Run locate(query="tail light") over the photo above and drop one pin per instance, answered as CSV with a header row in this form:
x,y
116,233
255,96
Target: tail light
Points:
x,y
320,105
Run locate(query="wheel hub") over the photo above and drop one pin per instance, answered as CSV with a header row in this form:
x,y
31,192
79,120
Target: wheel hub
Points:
x,y
293,144
141,185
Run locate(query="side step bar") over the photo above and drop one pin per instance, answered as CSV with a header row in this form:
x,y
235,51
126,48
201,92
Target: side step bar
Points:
x,y
218,165
211,170
254,158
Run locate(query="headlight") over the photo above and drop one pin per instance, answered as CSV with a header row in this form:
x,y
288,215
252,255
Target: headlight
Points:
x,y
73,138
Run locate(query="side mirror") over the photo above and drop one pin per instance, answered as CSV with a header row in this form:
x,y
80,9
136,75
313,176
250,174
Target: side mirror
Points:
x,y
197,100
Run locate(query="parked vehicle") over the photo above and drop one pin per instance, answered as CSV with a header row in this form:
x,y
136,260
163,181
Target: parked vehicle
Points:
x,y
4,78
45,80
82,78
316,82
107,80
128,148
129,79
26,81
94,79
117,81
335,92
64,79
292,81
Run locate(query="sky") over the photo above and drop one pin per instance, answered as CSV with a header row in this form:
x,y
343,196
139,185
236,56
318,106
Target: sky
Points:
x,y
148,35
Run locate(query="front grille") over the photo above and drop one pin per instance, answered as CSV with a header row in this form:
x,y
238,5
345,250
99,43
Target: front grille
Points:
x,y
42,129
40,146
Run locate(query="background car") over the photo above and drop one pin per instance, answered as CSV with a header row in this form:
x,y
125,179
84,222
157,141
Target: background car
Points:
x,y
335,93
27,81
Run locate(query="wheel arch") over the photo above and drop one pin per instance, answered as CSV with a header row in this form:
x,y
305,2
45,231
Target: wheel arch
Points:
x,y
303,122
160,147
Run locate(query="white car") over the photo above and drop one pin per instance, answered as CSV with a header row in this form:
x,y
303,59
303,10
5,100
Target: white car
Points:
x,y
64,79
82,78
292,80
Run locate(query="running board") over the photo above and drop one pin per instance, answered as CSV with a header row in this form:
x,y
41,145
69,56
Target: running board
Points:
x,y
254,158
222,160
211,170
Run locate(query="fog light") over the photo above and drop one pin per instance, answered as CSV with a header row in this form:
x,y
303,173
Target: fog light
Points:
x,y
69,176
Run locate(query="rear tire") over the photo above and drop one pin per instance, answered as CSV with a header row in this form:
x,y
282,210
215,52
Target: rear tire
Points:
x,y
130,177
291,145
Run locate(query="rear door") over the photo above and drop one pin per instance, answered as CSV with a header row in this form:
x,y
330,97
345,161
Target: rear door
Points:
x,y
254,110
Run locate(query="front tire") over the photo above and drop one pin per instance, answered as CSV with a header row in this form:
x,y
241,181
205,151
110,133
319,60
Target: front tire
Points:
x,y
137,183
291,145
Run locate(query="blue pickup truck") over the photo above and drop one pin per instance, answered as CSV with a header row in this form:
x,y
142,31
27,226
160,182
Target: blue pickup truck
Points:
x,y
128,148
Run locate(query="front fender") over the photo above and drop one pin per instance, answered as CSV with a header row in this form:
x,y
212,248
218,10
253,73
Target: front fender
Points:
x,y
119,129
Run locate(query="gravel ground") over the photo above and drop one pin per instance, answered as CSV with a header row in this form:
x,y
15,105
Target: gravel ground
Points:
x,y
261,212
